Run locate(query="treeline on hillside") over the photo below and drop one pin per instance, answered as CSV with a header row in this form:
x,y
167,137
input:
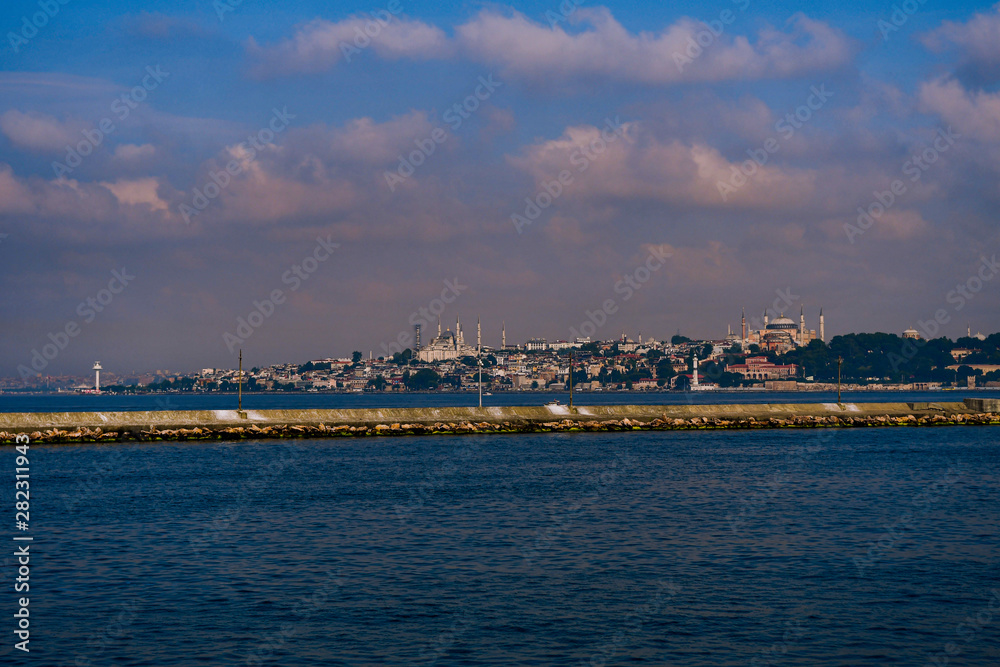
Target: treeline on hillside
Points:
x,y
870,357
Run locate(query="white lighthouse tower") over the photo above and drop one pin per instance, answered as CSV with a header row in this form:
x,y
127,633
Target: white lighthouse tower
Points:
x,y
97,376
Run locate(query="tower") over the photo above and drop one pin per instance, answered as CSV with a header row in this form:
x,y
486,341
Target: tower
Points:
x,y
822,328
503,335
97,376
743,326
439,326
765,318
694,383
479,334
459,338
802,325
416,335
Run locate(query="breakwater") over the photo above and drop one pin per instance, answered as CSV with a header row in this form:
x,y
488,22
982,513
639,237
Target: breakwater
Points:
x,y
66,427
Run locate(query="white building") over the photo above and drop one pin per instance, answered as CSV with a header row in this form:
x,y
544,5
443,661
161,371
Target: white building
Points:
x,y
449,345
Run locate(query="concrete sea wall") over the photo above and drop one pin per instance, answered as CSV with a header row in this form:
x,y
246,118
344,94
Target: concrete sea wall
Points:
x,y
256,424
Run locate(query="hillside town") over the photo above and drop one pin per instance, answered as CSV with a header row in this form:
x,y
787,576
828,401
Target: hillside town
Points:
x,y
780,356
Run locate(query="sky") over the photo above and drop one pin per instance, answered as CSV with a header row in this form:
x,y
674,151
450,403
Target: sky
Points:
x,y
181,180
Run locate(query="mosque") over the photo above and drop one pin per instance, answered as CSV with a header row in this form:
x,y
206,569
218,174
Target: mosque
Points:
x,y
449,345
779,335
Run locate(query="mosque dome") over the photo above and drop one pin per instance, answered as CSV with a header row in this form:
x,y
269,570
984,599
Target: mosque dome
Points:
x,y
782,323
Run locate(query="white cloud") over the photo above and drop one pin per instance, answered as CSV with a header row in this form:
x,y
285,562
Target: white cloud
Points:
x,y
321,44
40,132
975,115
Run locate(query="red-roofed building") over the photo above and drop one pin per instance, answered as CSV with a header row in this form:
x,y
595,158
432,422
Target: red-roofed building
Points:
x,y
759,368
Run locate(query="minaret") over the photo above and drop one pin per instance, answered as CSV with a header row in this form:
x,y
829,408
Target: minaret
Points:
x,y
743,326
458,331
802,325
416,331
765,318
503,335
479,334
97,376
439,326
822,327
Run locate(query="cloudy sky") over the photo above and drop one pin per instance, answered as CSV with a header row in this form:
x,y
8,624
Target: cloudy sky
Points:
x,y
532,162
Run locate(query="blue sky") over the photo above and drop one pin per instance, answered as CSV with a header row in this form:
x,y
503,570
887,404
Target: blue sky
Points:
x,y
328,172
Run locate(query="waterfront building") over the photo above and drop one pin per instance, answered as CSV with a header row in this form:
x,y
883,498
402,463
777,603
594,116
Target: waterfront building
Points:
x,y
759,368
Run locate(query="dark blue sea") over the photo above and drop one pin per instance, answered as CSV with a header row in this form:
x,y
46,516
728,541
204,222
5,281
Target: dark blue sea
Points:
x,y
829,547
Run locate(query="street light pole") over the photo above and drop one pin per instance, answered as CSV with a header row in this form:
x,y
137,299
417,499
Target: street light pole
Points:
x,y
571,380
840,361
240,384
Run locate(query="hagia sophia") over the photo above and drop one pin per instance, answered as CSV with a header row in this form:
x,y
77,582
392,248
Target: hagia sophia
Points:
x,y
779,335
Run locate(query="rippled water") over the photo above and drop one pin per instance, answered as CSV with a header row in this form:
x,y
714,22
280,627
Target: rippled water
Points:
x,y
681,548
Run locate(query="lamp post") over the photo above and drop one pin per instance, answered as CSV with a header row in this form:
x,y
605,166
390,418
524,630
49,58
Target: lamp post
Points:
x,y
239,385
571,379
840,362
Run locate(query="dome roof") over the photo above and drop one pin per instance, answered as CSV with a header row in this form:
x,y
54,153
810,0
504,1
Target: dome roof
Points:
x,y
782,323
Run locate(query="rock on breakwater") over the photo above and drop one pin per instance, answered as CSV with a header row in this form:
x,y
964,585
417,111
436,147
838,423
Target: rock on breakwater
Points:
x,y
263,424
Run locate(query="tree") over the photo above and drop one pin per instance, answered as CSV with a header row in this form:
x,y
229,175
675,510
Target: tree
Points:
x,y
679,340
664,369
423,379
355,357
402,358
377,383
